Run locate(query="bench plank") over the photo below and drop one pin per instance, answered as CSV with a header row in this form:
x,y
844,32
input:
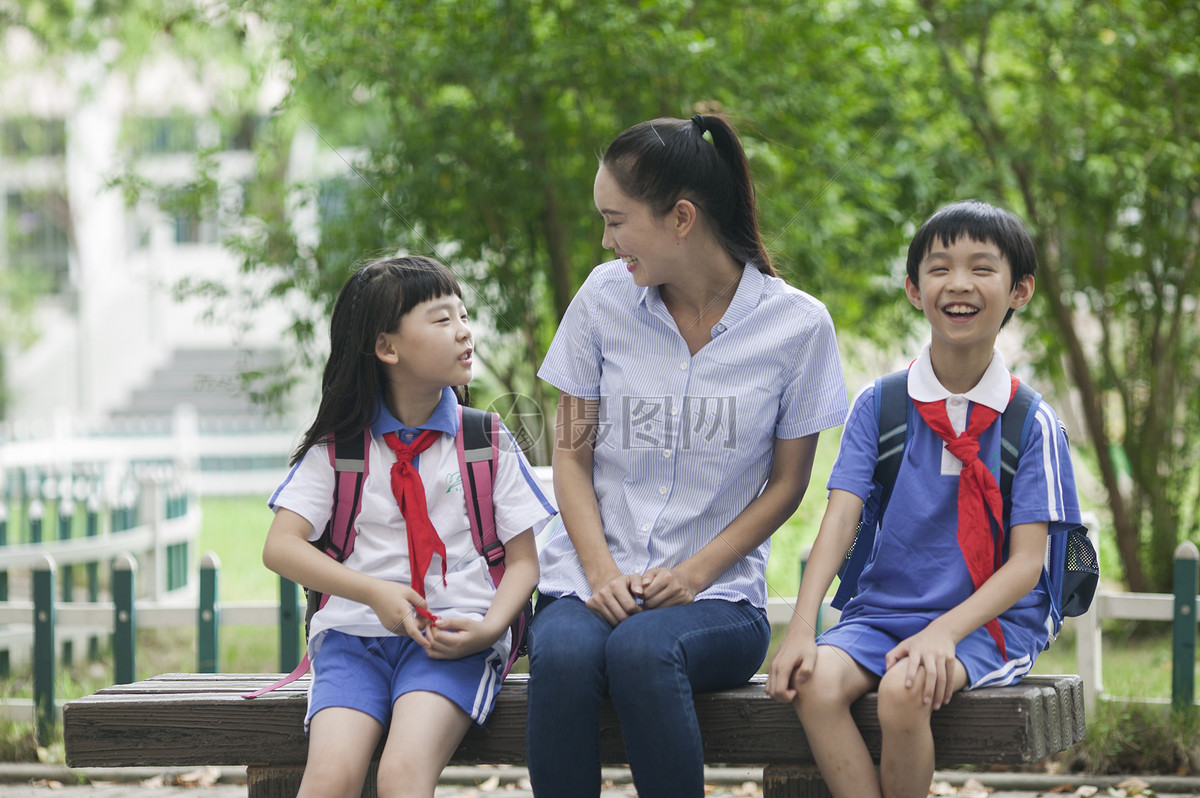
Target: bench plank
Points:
x,y
201,719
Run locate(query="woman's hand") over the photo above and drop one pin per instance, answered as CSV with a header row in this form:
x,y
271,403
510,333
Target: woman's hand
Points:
x,y
395,606
455,638
664,587
617,598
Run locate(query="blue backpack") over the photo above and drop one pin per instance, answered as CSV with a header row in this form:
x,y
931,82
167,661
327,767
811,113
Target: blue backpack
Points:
x,y
1072,567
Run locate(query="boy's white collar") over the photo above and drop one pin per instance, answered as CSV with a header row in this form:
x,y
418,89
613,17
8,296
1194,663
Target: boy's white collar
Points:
x,y
992,390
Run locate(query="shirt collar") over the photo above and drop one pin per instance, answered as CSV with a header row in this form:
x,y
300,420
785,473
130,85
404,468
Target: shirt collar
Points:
x,y
749,293
444,418
992,390
745,299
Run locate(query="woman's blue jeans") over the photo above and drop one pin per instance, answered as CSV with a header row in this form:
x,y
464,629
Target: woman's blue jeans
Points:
x,y
650,665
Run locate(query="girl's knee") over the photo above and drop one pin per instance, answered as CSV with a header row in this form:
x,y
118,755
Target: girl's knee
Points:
x,y
405,779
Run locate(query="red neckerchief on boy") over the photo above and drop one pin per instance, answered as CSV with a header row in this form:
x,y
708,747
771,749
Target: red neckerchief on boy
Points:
x,y
980,505
409,491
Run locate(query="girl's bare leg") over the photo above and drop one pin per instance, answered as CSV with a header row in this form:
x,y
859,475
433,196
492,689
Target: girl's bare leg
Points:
x,y
340,744
426,730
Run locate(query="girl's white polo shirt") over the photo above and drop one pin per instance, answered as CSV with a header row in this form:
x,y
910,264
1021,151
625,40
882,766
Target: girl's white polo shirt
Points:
x,y
381,547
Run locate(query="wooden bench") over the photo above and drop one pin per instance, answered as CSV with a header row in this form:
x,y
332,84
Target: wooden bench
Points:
x,y
201,719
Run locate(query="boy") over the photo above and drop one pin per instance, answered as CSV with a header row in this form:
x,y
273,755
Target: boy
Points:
x,y
952,596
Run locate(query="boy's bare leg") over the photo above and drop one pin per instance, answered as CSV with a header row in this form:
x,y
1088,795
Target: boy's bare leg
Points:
x,y
906,760
823,705
426,730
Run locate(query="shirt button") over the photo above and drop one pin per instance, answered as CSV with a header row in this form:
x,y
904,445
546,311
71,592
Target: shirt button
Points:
x,y
645,527
662,489
674,411
683,366
720,328
666,452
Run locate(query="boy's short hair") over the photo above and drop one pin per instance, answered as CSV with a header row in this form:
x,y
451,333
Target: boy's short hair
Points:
x,y
982,222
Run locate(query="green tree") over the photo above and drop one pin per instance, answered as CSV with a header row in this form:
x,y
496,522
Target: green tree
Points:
x,y
1083,117
473,129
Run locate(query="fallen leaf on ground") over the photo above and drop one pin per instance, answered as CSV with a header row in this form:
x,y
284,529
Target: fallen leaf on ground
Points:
x,y
154,782
50,784
1086,791
490,784
942,788
1135,786
973,788
204,777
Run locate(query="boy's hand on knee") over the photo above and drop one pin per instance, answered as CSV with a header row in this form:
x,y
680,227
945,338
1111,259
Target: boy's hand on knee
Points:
x,y
927,656
792,667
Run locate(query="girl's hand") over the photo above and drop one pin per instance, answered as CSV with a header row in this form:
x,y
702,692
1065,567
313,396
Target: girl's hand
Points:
x,y
616,599
395,606
793,666
932,650
455,638
664,587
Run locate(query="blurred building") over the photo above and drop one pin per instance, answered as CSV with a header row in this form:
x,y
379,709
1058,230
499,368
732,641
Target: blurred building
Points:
x,y
107,338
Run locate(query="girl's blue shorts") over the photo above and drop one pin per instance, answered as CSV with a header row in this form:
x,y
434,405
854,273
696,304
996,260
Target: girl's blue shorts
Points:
x,y
370,673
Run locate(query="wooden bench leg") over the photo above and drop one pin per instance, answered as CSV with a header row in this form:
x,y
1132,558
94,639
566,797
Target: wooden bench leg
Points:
x,y
793,781
283,781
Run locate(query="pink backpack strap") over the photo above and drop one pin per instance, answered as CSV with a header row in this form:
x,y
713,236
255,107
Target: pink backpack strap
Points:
x,y
350,460
477,444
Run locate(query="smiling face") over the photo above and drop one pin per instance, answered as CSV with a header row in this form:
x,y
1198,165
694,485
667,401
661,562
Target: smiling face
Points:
x,y
966,290
431,348
631,229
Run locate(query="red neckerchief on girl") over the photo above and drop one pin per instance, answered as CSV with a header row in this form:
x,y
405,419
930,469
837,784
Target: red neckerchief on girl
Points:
x,y
409,491
980,505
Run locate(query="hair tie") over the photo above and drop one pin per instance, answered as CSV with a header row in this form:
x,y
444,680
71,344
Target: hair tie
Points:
x,y
702,126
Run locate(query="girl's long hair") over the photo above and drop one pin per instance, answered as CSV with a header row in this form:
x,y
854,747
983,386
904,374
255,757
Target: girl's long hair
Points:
x,y
371,302
664,160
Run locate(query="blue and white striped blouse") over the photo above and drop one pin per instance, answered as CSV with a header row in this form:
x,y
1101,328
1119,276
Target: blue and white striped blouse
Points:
x,y
684,443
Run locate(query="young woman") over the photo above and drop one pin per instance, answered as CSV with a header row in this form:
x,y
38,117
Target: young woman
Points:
x,y
694,383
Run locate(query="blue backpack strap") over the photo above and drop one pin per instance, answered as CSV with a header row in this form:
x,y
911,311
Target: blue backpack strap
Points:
x,y
891,414
1015,423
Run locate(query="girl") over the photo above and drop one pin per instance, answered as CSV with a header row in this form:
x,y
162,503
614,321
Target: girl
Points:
x,y
694,383
413,636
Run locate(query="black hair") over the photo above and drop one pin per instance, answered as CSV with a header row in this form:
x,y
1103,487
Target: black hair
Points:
x,y
373,301
982,222
664,160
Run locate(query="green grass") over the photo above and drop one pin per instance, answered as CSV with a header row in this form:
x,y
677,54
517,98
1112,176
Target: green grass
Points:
x,y
234,529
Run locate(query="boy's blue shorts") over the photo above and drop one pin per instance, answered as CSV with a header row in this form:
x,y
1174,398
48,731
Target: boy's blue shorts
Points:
x,y
369,673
